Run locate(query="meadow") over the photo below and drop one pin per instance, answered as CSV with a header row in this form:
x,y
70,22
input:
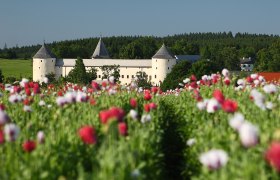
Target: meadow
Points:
x,y
16,68
216,127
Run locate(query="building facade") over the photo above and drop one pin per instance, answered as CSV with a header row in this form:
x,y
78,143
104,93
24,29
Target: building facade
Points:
x,y
44,62
246,64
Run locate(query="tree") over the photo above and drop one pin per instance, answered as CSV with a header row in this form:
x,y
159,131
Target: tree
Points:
x,y
92,74
1,77
78,73
142,80
131,51
51,77
203,67
111,70
230,58
177,74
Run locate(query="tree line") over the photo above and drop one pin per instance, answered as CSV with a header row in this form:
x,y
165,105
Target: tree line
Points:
x,y
224,48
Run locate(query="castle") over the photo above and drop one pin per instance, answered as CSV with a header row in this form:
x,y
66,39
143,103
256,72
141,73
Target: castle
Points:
x,y
44,62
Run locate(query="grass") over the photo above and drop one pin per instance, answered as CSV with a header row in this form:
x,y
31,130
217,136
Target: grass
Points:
x,y
16,68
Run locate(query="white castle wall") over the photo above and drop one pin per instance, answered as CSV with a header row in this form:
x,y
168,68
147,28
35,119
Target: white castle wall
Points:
x,y
160,68
42,67
128,67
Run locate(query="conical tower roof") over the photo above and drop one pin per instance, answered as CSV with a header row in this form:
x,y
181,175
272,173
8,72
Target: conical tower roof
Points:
x,y
44,53
163,53
100,51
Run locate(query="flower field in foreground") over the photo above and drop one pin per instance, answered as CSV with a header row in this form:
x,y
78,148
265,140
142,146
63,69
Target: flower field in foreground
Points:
x,y
216,127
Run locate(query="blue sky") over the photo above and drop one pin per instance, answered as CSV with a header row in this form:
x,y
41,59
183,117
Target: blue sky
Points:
x,y
26,22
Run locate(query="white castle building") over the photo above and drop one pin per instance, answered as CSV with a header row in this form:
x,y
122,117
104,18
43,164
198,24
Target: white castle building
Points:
x,y
44,62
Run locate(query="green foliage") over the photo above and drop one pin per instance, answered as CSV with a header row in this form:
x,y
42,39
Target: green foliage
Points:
x,y
229,57
16,68
111,70
142,80
10,79
78,73
1,77
51,77
203,67
92,74
176,76
268,59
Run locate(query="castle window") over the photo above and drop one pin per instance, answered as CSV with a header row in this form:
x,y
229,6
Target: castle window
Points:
x,y
132,76
168,67
122,76
126,67
41,61
99,76
52,60
150,77
127,76
155,76
156,67
168,60
39,67
156,60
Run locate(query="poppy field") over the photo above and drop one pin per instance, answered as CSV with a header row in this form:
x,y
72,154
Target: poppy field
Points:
x,y
213,127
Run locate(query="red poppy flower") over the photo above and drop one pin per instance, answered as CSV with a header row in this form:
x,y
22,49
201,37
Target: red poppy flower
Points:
x,y
227,81
133,102
193,78
2,137
147,96
2,107
229,106
272,155
152,105
112,113
122,129
29,146
154,90
218,95
87,134
147,107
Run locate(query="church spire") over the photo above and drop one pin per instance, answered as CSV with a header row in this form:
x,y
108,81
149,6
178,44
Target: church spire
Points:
x,y
100,51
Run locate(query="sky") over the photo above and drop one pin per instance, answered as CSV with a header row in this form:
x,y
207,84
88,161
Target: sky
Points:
x,y
28,22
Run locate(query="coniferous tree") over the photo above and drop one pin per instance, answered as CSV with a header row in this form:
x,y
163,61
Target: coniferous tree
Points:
x,y
78,74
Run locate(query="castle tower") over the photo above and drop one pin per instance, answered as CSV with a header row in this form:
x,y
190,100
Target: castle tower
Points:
x,y
162,63
43,63
100,51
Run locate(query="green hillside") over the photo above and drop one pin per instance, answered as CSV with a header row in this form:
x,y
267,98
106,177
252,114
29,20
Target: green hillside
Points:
x,y
16,68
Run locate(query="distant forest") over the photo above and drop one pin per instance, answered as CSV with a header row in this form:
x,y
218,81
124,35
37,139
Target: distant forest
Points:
x,y
224,48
